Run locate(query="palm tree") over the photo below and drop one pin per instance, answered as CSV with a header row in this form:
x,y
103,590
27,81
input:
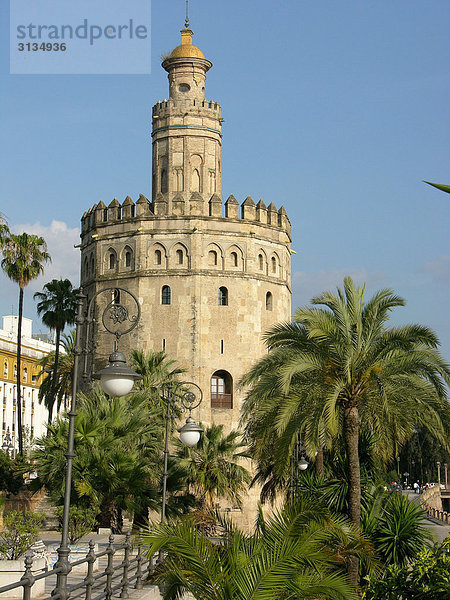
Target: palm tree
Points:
x,y
24,256
63,387
298,553
338,368
4,229
116,443
157,372
58,306
212,469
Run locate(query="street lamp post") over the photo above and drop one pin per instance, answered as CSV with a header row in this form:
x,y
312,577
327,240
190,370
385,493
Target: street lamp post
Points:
x,y
190,396
298,463
116,379
7,445
438,472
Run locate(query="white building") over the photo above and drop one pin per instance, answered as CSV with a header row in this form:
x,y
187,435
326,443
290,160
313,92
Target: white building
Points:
x,y
34,414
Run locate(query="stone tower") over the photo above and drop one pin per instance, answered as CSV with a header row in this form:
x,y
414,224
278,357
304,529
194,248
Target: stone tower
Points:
x,y
210,279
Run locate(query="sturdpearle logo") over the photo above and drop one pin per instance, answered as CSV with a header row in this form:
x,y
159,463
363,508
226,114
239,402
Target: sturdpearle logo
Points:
x,y
86,37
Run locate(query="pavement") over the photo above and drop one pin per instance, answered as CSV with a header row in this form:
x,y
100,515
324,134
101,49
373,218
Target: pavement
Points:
x,y
439,530
52,540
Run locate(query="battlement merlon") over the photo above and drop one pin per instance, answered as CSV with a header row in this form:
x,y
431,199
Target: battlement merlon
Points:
x,y
169,107
185,206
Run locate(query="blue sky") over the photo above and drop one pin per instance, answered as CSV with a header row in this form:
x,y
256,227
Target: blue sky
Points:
x,y
335,109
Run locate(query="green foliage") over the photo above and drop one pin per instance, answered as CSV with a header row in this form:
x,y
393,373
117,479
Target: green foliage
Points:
x,y
212,469
297,553
395,526
20,532
117,442
24,256
157,372
57,306
427,579
440,186
11,473
64,370
82,520
338,360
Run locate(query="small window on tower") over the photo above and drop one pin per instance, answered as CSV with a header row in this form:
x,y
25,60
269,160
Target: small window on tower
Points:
x,y
274,264
184,87
269,301
158,257
223,296
112,260
212,258
165,295
180,257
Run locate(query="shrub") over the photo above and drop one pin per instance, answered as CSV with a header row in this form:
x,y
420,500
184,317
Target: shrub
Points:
x,y
21,530
81,521
427,579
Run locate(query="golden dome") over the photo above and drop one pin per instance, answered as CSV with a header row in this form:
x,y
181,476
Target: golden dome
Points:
x,y
186,50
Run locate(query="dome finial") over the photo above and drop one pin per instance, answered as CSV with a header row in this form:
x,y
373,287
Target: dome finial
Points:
x,y
186,21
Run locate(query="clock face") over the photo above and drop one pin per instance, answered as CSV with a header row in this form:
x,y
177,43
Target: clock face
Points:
x,y
184,87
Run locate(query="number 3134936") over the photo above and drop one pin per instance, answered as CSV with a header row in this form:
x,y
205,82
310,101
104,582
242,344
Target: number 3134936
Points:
x,y
45,46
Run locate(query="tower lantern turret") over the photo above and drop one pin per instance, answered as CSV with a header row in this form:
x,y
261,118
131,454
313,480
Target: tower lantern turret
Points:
x,y
187,136
187,67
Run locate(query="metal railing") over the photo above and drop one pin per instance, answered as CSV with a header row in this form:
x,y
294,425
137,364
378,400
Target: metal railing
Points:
x,y
116,578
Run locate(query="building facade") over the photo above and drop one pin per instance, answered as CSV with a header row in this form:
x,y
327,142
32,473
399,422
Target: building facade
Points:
x,y
210,277
34,414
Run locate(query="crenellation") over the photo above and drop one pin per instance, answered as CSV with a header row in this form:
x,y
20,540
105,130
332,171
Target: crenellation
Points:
x,y
272,215
261,212
283,220
143,206
128,208
197,205
248,209
215,206
114,210
101,213
232,208
161,204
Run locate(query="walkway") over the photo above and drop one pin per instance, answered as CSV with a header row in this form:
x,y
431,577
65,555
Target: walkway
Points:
x,y
439,530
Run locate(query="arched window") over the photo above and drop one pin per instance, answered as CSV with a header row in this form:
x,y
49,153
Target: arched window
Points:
x,y
234,259
92,264
269,301
179,254
165,294
274,264
260,262
223,296
25,374
5,369
15,371
221,390
112,259
86,268
128,257
212,258
158,257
